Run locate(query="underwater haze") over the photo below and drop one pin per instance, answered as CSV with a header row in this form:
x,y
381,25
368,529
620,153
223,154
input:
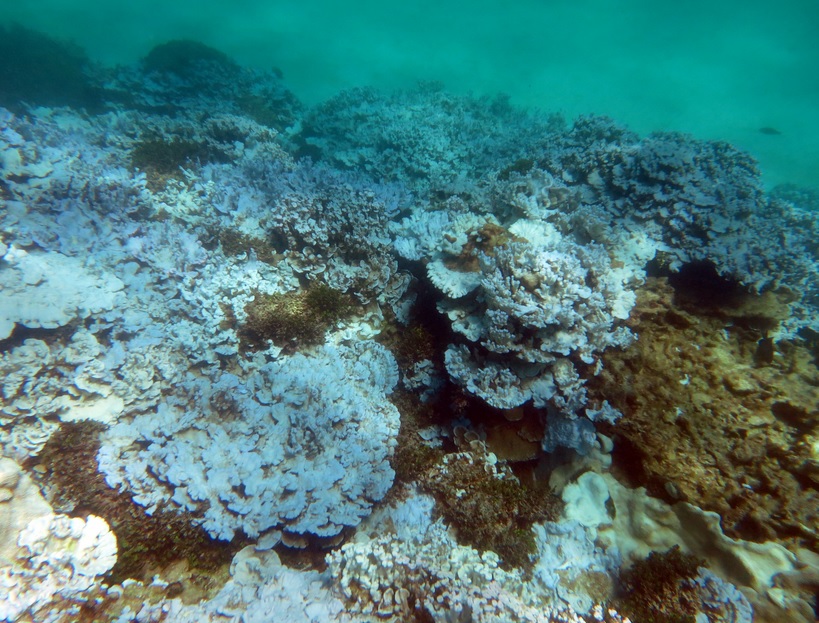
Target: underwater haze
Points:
x,y
736,70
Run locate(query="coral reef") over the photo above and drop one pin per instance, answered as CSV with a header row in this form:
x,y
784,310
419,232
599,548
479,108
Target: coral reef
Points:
x,y
300,444
147,543
406,381
417,569
717,428
294,320
58,568
488,506
426,138
659,588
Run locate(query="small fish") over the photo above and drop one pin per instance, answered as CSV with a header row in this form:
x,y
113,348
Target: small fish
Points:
x,y
770,131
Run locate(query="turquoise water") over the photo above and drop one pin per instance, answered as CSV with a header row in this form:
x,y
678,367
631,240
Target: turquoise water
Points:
x,y
721,70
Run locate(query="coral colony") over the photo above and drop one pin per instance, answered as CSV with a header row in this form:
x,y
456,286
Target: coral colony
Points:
x,y
397,357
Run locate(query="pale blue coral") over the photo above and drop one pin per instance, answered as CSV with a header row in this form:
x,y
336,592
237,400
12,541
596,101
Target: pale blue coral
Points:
x,y
301,444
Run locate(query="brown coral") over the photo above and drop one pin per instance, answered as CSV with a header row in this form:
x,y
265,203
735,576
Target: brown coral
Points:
x,y
655,590
705,421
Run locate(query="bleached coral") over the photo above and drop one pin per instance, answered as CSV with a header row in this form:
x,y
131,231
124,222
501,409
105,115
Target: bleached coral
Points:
x,y
564,294
423,377
46,153
261,586
390,575
45,383
49,290
538,195
536,307
692,200
526,297
566,551
721,602
441,234
453,283
412,566
494,382
58,568
302,443
20,503
324,224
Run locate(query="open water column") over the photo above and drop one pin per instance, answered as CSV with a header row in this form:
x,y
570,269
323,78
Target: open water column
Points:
x,y
731,70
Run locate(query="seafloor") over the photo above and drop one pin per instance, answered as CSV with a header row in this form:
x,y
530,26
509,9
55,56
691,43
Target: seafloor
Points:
x,y
400,356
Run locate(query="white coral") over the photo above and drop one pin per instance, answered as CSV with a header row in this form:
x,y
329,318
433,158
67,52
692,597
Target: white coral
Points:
x,y
537,305
58,567
302,443
262,589
404,564
42,383
49,290
562,294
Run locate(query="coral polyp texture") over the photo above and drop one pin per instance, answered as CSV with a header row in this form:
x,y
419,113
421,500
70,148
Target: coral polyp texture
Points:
x,y
57,569
402,356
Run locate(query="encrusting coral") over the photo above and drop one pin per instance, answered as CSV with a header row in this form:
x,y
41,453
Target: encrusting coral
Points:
x,y
717,428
